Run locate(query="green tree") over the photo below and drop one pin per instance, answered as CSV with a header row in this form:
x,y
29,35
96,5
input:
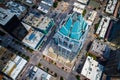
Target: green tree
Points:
x,y
61,78
55,74
77,77
55,4
84,12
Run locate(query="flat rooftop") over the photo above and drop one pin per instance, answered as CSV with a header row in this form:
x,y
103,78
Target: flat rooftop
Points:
x,y
15,8
6,54
48,2
98,48
44,8
92,69
28,1
38,74
83,1
111,6
91,17
14,67
78,7
37,20
33,39
5,16
103,26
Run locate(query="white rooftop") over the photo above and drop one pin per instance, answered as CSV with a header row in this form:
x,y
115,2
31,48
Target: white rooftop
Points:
x,y
48,2
29,1
5,16
33,39
92,69
103,26
83,1
81,6
78,7
111,6
43,7
78,10
13,68
40,74
91,17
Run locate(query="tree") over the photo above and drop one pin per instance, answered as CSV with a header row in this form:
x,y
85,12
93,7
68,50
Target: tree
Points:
x,y
39,65
61,78
55,4
84,12
47,69
59,0
77,77
55,74
27,58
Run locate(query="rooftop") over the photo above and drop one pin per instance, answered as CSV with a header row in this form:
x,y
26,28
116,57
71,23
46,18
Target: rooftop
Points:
x,y
6,54
74,27
38,21
48,2
83,1
111,6
33,39
91,17
15,8
28,1
5,16
98,48
43,7
78,7
103,26
38,74
92,69
14,67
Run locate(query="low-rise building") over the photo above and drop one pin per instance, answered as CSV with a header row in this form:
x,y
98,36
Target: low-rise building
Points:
x,y
7,55
48,2
92,70
14,67
111,6
36,73
29,3
45,5
83,1
100,49
103,27
78,7
91,17
33,39
38,21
